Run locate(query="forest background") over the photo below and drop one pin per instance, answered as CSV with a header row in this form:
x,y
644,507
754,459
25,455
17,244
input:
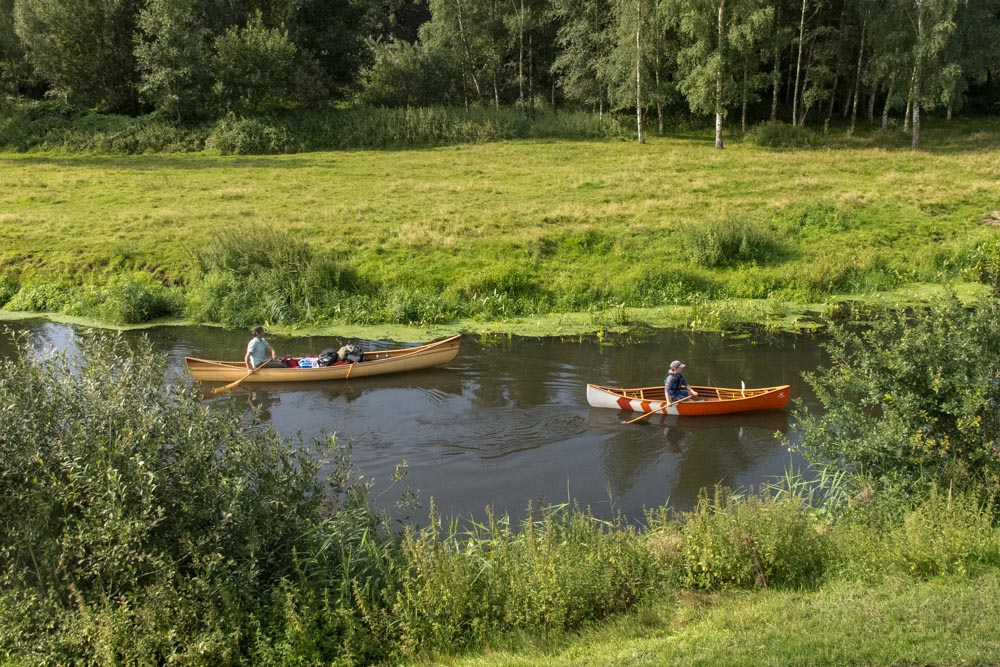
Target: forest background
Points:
x,y
813,62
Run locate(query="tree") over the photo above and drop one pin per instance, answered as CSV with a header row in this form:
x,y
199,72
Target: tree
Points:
x,y
174,58
914,396
935,27
83,49
718,34
585,42
254,69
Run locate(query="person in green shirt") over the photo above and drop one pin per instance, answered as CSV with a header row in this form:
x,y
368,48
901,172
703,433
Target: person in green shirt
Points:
x,y
257,350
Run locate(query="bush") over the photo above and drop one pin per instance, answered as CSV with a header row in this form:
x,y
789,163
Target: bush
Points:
x,y
8,288
260,274
133,299
126,538
782,135
756,541
726,243
40,298
913,396
946,533
233,135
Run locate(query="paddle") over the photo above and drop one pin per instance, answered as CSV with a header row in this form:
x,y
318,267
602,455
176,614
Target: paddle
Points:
x,y
632,421
218,390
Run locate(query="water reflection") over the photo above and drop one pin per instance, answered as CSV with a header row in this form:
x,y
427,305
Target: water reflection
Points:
x,y
506,424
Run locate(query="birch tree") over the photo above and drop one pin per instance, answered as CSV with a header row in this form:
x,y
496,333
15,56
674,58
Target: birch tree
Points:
x,y
714,31
584,37
935,26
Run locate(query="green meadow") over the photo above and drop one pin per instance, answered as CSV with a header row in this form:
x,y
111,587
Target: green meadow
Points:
x,y
522,235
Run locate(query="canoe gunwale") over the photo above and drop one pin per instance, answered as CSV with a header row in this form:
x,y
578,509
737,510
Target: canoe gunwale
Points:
x,y
378,362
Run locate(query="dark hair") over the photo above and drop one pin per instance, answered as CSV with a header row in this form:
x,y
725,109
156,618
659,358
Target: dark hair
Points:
x,y
258,331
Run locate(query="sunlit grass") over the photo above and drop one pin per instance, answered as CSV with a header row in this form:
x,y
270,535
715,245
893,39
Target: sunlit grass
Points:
x,y
584,217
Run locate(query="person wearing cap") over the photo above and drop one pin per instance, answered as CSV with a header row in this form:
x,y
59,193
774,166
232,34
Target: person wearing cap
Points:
x,y
257,350
676,385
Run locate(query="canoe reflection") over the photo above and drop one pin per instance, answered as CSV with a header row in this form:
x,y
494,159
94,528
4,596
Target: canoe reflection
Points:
x,y
439,379
771,420
685,453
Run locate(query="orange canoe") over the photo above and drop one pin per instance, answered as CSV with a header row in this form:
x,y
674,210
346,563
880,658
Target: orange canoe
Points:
x,y
710,401
377,362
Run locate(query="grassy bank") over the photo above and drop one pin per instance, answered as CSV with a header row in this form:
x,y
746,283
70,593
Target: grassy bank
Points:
x,y
127,540
479,234
941,621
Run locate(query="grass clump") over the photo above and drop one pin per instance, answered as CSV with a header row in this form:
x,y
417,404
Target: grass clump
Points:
x,y
729,243
782,135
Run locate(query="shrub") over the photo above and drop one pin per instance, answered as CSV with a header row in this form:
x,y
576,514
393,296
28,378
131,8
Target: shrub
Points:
x,y
133,299
136,523
233,135
725,243
8,288
915,395
561,570
755,541
782,135
946,533
261,274
40,298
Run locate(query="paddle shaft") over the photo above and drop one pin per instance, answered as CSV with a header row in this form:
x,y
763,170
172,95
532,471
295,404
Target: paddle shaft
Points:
x,y
632,421
219,390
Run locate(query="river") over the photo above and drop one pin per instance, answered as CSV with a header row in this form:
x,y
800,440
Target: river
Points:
x,y
507,422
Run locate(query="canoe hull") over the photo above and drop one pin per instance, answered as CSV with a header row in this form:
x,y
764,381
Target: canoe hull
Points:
x,y
378,362
711,401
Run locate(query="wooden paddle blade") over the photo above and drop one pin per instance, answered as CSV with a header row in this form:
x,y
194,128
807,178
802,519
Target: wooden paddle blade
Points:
x,y
219,390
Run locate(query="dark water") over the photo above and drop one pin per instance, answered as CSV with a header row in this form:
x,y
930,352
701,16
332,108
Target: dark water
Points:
x,y
508,423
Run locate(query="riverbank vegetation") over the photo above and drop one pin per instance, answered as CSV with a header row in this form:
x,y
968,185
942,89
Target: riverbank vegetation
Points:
x,y
472,236
128,539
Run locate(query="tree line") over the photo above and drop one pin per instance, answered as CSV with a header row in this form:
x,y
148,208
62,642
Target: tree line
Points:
x,y
795,61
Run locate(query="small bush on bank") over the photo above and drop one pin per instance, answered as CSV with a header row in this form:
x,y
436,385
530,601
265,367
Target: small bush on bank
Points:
x,y
40,298
782,135
261,274
233,135
8,288
755,541
134,299
727,243
947,533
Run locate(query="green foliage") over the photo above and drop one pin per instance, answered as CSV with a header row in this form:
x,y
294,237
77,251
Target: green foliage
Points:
x,y
253,68
560,571
754,541
8,288
726,243
137,522
946,533
233,135
782,135
913,396
260,274
137,298
40,298
83,49
409,75
55,126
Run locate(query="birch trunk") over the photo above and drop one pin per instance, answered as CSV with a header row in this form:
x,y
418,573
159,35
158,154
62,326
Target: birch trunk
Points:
x,y
638,70
798,64
776,81
718,77
857,76
888,102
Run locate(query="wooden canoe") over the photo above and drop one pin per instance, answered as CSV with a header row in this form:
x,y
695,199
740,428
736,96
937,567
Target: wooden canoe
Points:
x,y
710,401
377,362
